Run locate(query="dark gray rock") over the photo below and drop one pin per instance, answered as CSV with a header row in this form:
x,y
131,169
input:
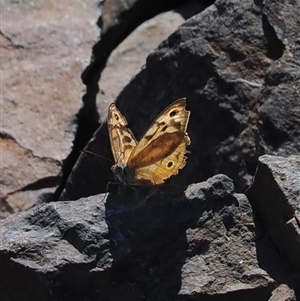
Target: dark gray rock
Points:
x,y
275,198
52,251
237,64
167,245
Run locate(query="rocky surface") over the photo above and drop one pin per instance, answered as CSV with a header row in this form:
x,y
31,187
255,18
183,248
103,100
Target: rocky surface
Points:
x,y
44,48
236,62
129,57
167,245
46,135
283,293
275,198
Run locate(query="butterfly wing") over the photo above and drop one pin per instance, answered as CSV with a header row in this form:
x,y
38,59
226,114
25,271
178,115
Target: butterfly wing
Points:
x,y
157,172
161,151
122,140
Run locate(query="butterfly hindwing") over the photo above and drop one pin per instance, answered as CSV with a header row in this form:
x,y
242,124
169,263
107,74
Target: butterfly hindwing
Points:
x,y
163,136
158,172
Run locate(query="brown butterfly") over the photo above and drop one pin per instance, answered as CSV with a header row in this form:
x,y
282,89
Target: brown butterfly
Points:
x,y
159,154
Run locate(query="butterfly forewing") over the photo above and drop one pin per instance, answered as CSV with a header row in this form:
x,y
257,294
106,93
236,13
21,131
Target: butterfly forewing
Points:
x,y
156,150
122,140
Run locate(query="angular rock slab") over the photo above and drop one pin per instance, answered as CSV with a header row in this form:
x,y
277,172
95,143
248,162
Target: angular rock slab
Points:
x,y
51,251
283,293
145,244
130,56
237,64
275,198
44,45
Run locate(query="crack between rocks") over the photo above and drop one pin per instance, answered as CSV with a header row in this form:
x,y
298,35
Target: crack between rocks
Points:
x,y
10,40
86,126
275,47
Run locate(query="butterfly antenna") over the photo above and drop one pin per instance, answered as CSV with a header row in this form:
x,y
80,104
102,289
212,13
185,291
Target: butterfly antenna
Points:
x,y
92,153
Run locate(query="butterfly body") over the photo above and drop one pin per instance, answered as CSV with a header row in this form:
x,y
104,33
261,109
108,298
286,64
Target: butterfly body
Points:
x,y
124,173
159,154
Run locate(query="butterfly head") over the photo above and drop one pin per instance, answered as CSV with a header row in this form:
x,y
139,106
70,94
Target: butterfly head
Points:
x,y
123,173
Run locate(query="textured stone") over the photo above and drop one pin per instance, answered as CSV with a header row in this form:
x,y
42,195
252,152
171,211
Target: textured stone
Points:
x,y
231,61
283,293
275,198
54,246
45,46
237,64
130,56
154,244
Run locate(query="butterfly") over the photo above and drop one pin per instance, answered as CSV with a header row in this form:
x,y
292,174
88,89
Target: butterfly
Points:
x,y
158,155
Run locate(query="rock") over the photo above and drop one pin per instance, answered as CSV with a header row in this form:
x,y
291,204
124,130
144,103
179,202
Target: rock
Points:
x,y
237,64
275,196
45,45
232,61
279,106
164,245
22,188
283,293
55,246
130,56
